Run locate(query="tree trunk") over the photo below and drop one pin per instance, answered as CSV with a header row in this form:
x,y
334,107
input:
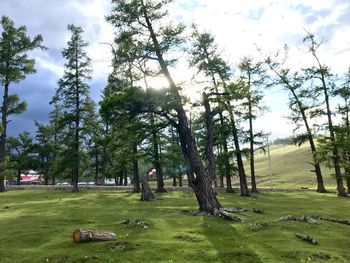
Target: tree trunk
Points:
x,y
136,178
146,192
157,162
180,179
209,123
120,183
4,112
174,181
96,165
125,177
19,177
251,142
81,235
77,128
348,184
241,172
201,184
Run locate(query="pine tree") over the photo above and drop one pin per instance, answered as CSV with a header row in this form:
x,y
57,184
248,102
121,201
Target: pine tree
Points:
x,y
14,67
325,82
72,98
253,76
301,107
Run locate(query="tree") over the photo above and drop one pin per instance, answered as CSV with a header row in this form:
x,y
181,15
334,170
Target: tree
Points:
x,y
301,106
205,56
72,98
139,18
14,67
20,153
325,82
45,150
253,76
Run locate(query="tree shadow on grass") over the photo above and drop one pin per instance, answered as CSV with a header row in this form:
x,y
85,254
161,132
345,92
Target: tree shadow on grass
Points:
x,y
227,242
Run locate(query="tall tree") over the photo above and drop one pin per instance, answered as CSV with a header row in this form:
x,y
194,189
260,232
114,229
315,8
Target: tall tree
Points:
x,y
206,57
325,83
301,106
72,97
253,75
14,67
139,18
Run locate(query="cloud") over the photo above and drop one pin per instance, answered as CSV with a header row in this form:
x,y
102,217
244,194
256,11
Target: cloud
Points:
x,y
238,27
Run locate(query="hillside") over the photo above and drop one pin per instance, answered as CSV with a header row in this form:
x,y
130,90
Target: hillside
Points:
x,y
291,168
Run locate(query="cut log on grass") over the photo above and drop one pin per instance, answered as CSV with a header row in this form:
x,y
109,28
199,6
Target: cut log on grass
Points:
x,y
146,192
340,221
307,238
81,235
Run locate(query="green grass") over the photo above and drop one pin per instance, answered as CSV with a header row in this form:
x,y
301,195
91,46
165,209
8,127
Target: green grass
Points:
x,y
290,168
36,226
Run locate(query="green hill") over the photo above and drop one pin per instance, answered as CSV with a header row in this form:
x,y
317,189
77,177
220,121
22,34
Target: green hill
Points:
x,y
291,168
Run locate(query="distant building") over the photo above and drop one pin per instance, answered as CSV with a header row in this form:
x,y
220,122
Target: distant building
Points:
x,y
31,177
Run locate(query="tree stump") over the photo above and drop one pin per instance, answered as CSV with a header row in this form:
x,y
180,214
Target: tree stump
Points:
x,y
146,192
81,235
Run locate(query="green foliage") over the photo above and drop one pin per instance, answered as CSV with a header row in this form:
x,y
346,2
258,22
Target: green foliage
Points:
x,y
14,45
20,151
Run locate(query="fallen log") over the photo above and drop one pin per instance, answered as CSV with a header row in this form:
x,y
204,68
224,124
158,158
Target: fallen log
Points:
x,y
307,219
81,235
234,209
307,238
340,221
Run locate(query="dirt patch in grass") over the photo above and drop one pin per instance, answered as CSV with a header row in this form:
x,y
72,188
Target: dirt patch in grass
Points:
x,y
183,237
240,256
321,256
122,246
65,259
139,222
304,256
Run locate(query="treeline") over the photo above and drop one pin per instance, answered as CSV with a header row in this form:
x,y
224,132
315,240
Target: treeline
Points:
x,y
135,123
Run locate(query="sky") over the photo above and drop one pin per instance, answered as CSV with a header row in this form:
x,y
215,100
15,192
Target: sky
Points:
x,y
238,27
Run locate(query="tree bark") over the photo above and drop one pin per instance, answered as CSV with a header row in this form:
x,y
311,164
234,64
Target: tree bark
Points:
x,y
81,235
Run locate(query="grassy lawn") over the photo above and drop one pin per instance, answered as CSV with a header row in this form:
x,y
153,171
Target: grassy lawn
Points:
x,y
36,226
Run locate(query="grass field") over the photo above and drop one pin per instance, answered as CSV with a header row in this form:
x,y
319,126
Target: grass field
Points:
x,y
36,226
